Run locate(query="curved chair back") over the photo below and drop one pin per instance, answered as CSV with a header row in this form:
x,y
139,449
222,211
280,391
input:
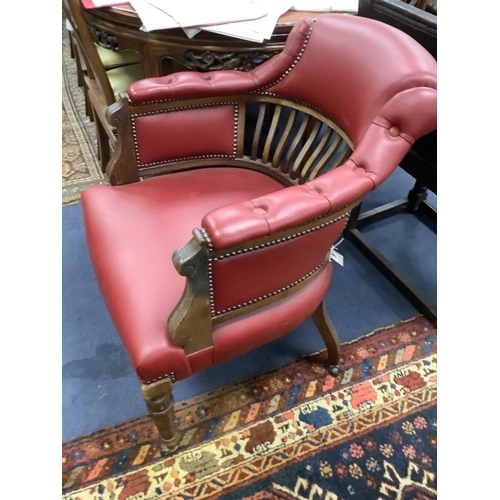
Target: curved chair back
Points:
x,y
264,199
341,84
338,75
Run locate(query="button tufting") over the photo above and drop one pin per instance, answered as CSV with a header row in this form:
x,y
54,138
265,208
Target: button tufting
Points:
x,y
394,131
259,211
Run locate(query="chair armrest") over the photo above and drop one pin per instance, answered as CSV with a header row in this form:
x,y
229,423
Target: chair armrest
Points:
x,y
190,84
234,224
406,117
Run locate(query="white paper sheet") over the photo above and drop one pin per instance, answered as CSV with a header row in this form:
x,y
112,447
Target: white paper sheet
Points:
x,y
256,30
252,20
326,5
196,12
165,14
151,17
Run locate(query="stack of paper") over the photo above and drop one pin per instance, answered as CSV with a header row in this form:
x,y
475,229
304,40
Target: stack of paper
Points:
x,y
252,20
256,30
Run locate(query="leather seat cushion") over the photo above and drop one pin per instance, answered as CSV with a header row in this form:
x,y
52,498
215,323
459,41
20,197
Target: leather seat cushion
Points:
x,y
133,231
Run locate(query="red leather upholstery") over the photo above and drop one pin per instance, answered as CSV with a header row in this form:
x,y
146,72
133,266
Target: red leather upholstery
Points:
x,y
252,330
268,269
373,80
132,236
228,226
370,76
182,85
153,130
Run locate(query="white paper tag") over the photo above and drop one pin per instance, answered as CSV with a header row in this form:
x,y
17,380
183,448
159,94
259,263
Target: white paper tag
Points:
x,y
336,257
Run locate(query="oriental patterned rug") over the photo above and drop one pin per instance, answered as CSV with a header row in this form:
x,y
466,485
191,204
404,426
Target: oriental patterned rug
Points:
x,y
80,167
292,433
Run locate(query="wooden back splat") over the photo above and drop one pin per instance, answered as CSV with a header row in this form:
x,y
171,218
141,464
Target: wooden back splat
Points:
x,y
288,141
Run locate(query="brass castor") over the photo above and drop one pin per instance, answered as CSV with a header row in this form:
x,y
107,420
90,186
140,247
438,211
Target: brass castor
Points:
x,y
167,447
334,370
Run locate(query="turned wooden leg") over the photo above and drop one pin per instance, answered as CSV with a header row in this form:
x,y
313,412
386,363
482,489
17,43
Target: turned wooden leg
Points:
x,y
329,334
160,404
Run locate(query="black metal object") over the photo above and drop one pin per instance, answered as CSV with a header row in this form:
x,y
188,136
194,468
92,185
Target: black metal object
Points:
x,y
426,213
420,162
419,24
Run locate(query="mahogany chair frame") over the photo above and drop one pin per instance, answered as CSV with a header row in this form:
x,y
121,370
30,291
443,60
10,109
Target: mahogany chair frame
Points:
x,y
293,142
316,145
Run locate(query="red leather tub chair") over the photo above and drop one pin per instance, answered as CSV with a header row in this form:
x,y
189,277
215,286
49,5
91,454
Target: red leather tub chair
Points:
x,y
205,249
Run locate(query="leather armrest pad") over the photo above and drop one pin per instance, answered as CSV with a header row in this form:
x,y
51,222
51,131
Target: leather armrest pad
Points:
x,y
234,224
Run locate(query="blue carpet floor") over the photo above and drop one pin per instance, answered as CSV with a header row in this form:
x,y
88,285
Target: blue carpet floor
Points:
x,y
101,389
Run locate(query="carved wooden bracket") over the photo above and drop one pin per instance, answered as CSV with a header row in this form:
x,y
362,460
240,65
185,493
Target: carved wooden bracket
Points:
x,y
106,40
190,324
207,60
122,169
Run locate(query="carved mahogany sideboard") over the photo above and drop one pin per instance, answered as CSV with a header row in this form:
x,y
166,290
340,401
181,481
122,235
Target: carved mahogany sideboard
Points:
x,y
167,51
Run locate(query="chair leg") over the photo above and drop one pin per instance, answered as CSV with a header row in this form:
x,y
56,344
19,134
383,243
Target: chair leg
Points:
x,y
330,337
416,197
79,70
71,44
88,105
160,404
103,145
